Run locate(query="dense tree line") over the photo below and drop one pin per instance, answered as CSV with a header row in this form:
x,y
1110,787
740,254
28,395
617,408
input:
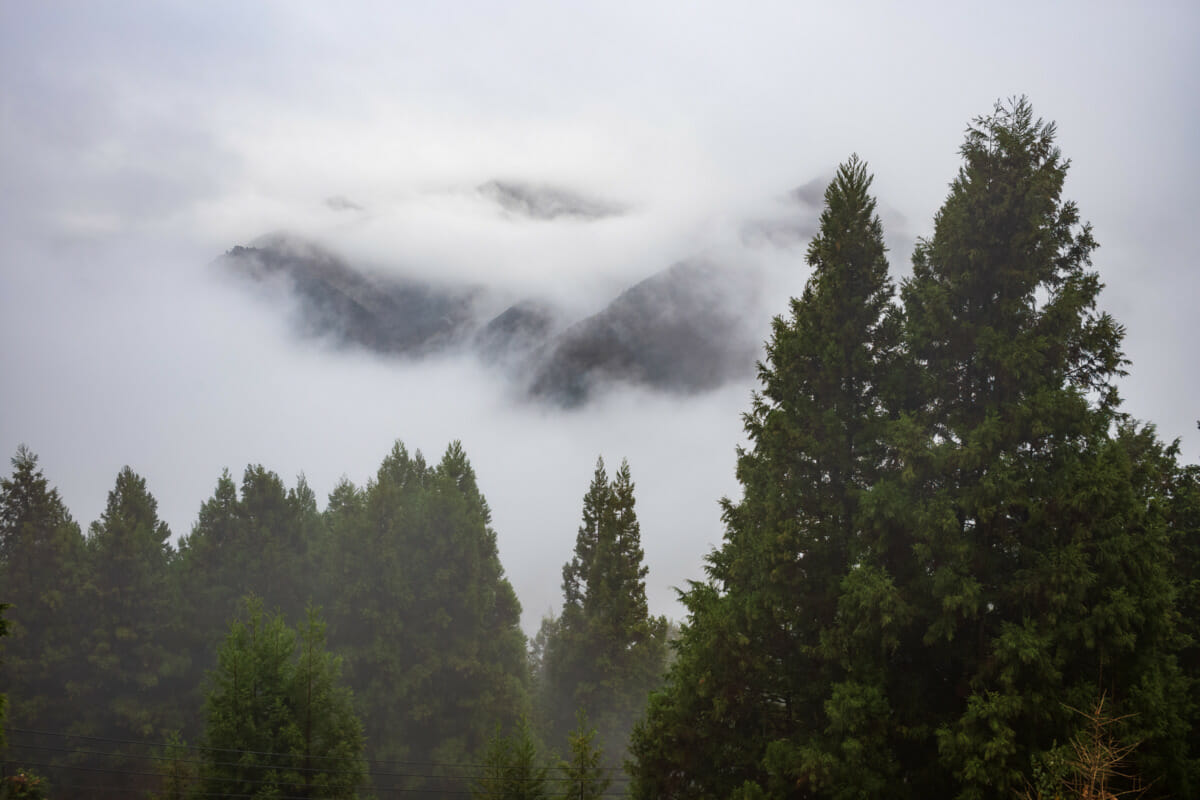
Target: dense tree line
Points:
x,y
118,635
952,545
113,633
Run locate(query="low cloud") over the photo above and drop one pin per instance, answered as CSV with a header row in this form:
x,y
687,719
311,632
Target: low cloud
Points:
x,y
544,202
140,143
341,203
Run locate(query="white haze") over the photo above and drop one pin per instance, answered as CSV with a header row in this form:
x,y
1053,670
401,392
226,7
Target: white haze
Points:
x,y
140,141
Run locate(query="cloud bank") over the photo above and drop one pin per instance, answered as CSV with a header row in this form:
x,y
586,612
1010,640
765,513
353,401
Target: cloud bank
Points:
x,y
140,143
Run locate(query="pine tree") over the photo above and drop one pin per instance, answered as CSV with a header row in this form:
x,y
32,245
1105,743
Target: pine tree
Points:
x,y
1183,514
129,551
754,672
583,776
41,572
277,723
510,768
605,652
3,697
1038,576
254,542
423,612
526,778
325,733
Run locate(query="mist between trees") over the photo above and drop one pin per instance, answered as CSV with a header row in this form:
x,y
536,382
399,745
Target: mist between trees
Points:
x,y
958,569
120,640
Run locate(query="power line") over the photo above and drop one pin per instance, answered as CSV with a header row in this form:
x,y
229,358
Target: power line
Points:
x,y
456,772
164,759
207,749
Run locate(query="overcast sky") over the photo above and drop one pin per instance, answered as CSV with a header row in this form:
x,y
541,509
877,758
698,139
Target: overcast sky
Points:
x,y
138,141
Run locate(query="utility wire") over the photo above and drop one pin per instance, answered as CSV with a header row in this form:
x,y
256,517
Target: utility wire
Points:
x,y
463,771
204,748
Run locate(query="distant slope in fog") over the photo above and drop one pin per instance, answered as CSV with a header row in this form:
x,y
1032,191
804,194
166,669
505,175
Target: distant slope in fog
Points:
x,y
543,202
386,314
681,330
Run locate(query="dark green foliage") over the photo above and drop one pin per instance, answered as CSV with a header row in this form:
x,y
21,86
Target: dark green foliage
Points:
x,y
1183,515
129,606
3,698
753,666
111,636
127,674
256,542
604,653
583,777
276,720
253,542
41,572
422,610
1040,557
510,768
492,782
178,769
946,547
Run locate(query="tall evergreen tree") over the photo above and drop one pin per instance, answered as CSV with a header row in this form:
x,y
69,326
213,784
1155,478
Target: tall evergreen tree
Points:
x,y
511,768
428,622
41,572
129,673
999,559
583,774
753,671
254,542
605,652
1039,572
1183,514
129,609
3,697
277,722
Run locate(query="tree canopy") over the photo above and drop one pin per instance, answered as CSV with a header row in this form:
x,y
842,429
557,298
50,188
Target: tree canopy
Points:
x,y
277,720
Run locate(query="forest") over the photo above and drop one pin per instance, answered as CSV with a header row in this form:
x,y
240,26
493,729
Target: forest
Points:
x,y
957,568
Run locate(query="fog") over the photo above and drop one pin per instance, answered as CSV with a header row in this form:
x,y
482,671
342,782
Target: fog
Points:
x,y
138,144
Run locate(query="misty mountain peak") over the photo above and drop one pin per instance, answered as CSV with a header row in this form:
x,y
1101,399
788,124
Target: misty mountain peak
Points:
x,y
682,330
385,313
545,202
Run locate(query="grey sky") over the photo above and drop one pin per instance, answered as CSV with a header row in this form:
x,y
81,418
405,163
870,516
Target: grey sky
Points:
x,y
140,140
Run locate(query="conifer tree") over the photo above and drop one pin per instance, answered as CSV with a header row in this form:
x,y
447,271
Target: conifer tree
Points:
x,y
41,572
254,542
605,652
3,697
1003,549
583,775
421,607
129,550
1183,514
277,721
1039,573
511,770
752,671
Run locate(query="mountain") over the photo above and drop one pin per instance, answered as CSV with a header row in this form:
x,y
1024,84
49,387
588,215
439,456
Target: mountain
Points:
x,y
543,202
515,334
681,330
387,314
